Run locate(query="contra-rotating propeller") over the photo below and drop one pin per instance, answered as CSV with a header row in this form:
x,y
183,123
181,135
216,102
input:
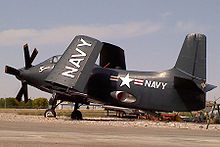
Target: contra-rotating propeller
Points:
x,y
28,64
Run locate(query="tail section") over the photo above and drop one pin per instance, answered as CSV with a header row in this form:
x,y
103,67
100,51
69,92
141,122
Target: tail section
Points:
x,y
192,57
192,63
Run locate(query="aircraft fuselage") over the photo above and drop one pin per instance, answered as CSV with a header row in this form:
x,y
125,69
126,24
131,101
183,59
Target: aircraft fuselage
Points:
x,y
144,90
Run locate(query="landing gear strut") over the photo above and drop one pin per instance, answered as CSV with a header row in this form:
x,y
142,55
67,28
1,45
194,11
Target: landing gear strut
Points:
x,y
76,114
51,112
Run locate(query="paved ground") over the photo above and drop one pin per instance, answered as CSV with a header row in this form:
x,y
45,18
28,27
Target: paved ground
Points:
x,y
38,131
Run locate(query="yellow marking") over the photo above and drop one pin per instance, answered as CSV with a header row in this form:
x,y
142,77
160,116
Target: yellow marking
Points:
x,y
6,69
16,101
26,45
203,85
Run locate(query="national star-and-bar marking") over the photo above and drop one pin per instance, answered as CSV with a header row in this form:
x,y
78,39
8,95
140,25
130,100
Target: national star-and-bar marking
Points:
x,y
114,78
147,83
138,82
126,80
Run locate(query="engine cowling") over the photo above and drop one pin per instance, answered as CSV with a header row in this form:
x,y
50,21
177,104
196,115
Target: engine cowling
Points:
x,y
123,96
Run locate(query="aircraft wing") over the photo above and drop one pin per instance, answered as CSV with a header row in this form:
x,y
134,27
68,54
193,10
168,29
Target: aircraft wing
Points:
x,y
112,56
75,66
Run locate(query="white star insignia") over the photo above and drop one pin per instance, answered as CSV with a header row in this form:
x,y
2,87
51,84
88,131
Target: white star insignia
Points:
x,y
126,81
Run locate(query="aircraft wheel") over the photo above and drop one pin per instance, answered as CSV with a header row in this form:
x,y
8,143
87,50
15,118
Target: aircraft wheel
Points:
x,y
121,114
117,114
49,113
76,115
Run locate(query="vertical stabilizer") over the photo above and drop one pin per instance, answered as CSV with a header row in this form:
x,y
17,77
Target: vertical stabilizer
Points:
x,y
192,57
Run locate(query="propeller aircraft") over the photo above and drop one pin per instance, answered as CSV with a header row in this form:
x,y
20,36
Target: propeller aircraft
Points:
x,y
74,77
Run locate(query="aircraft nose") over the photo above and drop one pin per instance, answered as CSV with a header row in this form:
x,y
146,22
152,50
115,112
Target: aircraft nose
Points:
x,y
21,75
29,75
25,74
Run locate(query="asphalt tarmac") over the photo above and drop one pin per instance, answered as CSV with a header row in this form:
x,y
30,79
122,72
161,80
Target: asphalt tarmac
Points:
x,y
36,134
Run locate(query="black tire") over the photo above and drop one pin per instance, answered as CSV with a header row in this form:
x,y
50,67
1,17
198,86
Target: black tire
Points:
x,y
49,113
121,114
76,115
117,113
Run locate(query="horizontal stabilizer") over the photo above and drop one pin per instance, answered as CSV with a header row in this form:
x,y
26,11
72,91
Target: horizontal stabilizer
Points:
x,y
75,66
182,83
190,84
209,87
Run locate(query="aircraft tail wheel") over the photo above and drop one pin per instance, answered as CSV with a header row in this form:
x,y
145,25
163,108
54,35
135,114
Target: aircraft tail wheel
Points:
x,y
76,115
49,113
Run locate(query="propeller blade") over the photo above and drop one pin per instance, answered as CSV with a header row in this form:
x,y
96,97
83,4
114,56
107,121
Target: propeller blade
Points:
x,y
33,55
20,93
27,57
25,90
12,71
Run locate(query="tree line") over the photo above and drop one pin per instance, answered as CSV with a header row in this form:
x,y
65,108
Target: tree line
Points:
x,y
38,103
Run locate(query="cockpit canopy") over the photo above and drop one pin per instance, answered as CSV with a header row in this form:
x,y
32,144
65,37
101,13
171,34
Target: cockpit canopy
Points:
x,y
55,59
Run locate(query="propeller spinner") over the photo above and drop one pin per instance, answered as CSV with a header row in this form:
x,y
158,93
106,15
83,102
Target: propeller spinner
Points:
x,y
28,64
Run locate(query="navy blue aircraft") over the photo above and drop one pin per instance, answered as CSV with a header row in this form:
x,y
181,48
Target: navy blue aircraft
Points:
x,y
74,77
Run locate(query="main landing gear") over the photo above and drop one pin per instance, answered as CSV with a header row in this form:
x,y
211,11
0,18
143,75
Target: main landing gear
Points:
x,y
75,115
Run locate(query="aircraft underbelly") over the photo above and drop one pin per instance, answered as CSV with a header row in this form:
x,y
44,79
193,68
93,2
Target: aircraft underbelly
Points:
x,y
172,100
161,101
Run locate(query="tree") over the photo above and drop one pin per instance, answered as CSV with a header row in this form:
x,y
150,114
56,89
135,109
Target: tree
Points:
x,y
10,103
29,104
2,102
40,103
22,104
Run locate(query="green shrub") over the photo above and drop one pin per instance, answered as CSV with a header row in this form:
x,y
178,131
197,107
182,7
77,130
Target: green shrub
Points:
x,y
40,103
2,103
27,105
10,103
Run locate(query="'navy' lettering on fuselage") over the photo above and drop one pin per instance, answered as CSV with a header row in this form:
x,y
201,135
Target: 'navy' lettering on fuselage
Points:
x,y
141,82
155,84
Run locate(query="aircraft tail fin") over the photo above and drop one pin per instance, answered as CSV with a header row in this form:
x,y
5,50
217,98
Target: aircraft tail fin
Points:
x,y
192,57
192,64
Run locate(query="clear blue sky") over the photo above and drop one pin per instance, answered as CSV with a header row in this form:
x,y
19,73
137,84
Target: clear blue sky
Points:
x,y
150,31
